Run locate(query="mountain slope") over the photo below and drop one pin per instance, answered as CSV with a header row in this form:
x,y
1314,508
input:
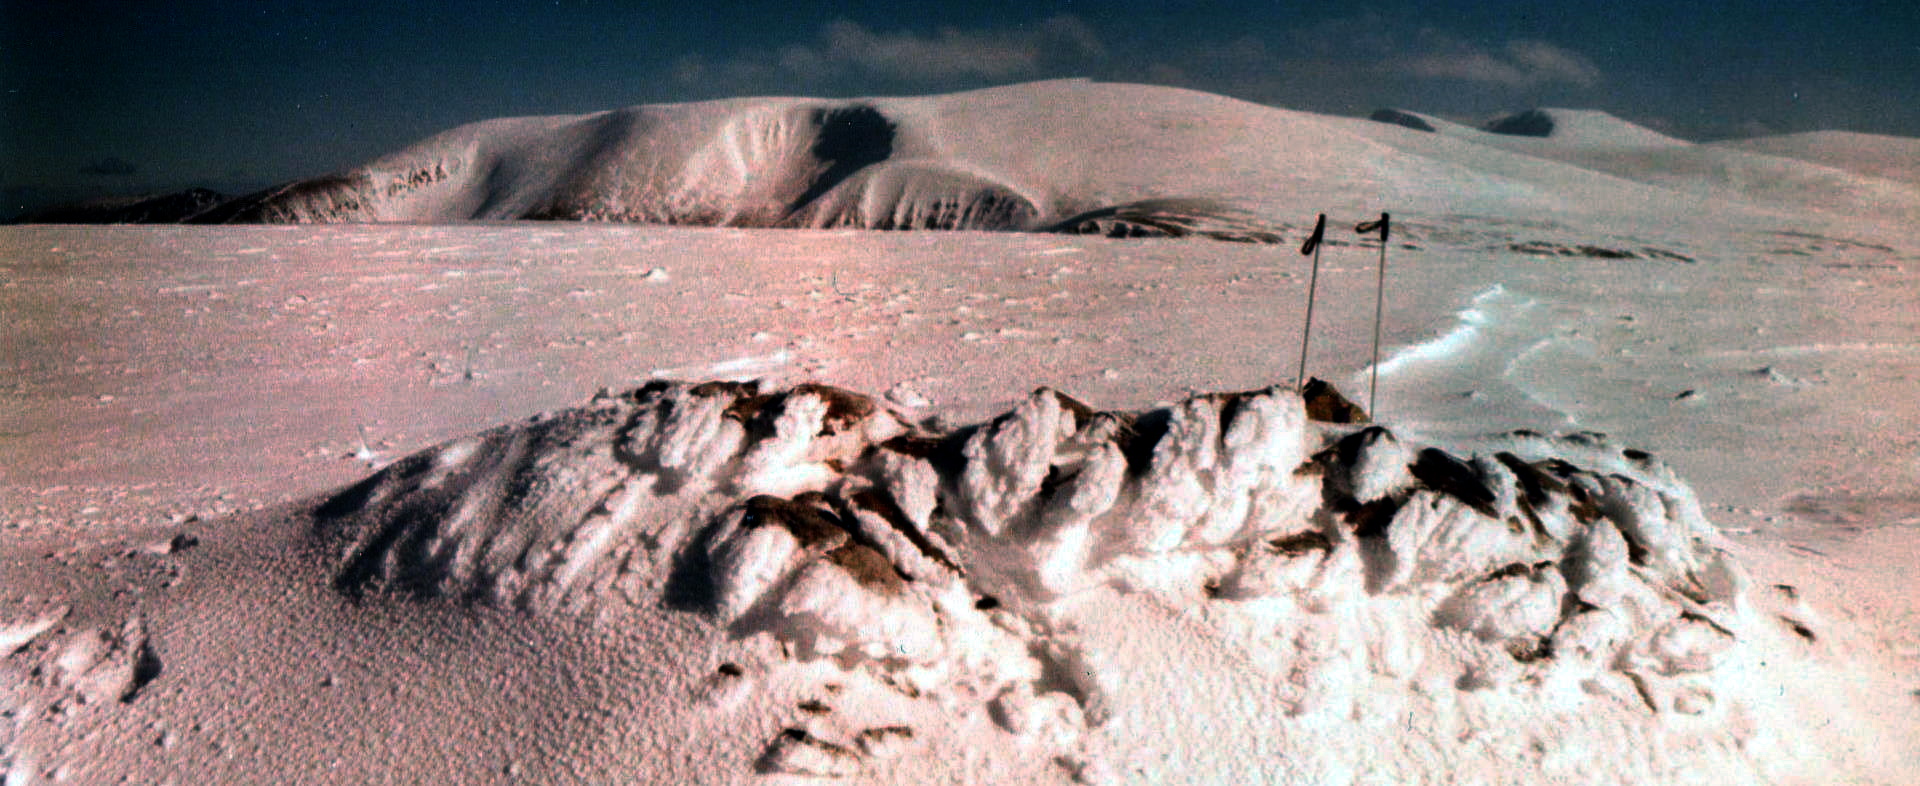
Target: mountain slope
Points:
x,y
1032,156
1688,176
1873,155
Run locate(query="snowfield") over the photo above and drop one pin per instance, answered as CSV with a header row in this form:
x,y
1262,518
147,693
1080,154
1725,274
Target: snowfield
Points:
x,y
589,502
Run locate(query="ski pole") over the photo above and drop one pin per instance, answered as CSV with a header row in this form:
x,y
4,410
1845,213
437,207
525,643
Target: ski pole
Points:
x,y
1385,227
1312,246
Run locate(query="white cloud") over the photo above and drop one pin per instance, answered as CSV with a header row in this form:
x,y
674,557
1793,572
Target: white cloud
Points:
x,y
1547,62
1521,63
949,53
846,48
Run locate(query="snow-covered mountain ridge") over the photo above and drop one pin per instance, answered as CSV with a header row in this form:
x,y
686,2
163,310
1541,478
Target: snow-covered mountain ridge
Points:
x,y
970,161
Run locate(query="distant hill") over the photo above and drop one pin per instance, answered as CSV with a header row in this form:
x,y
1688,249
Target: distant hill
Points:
x,y
1874,155
1062,155
172,208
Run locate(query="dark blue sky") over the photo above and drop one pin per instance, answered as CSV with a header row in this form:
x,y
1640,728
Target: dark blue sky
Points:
x,y
117,97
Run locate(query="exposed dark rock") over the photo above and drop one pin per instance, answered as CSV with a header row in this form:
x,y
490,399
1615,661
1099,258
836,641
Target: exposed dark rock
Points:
x,y
844,408
869,567
1546,249
1532,122
879,741
1661,253
1371,520
797,752
811,521
147,668
882,504
1403,119
1327,405
1347,452
1169,218
1300,543
1800,629
1441,472
1536,485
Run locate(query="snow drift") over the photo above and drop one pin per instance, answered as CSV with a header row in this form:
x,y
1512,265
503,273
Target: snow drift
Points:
x,y
826,520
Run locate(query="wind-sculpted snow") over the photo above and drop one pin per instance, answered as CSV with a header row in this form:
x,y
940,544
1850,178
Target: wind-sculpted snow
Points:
x,y
829,521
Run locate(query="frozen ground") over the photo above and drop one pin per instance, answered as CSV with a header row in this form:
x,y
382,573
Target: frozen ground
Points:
x,y
187,591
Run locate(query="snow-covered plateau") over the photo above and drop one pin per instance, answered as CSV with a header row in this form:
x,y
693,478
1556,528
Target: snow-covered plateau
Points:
x,y
481,500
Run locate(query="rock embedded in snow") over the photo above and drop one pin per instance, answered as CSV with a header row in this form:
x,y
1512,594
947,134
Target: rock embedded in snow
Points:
x,y
906,395
1325,403
1303,620
1401,118
92,665
797,752
934,565
1533,122
1518,603
885,742
816,516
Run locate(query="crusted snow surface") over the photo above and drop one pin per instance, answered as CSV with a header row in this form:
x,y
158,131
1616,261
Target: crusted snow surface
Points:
x,y
1004,571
